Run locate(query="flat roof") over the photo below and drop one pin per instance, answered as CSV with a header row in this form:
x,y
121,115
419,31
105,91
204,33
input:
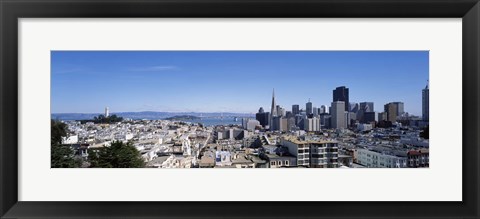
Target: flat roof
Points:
x,y
158,160
298,141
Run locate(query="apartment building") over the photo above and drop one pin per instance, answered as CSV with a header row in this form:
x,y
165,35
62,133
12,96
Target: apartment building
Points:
x,y
312,153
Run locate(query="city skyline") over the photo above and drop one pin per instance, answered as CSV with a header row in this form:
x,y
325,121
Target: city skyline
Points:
x,y
234,81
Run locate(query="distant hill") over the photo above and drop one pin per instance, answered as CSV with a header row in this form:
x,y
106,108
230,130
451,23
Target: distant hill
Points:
x,y
147,115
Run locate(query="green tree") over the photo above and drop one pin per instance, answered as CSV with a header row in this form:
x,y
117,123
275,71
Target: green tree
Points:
x,y
111,119
59,130
117,155
61,156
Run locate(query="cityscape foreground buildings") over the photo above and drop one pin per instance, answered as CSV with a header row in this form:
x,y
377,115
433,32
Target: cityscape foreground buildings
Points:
x,y
349,135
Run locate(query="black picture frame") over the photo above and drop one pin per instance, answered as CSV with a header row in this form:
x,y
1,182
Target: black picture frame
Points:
x,y
12,10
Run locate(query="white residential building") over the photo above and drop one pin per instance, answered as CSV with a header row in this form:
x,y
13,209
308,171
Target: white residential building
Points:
x,y
72,139
374,159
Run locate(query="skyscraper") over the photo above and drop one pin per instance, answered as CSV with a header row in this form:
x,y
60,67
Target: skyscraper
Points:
x,y
295,109
382,116
263,117
309,107
279,124
354,107
391,110
425,103
341,94
274,105
281,111
312,124
273,111
288,114
338,114
364,107
400,108
370,117
323,109
325,120
315,111
367,106
107,112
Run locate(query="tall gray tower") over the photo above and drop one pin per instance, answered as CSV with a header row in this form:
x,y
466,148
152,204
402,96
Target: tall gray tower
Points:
x,y
309,107
425,103
338,114
273,111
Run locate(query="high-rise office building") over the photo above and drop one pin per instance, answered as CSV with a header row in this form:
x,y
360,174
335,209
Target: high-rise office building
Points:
x,y
309,108
382,116
295,109
425,103
323,109
347,119
400,109
284,124
280,124
364,107
252,124
312,124
350,118
273,110
281,111
338,114
298,119
391,111
367,106
325,119
341,94
369,117
291,124
354,107
263,117
288,114
315,111
107,112
244,122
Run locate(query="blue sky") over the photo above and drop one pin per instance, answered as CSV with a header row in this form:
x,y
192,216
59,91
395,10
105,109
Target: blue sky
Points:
x,y
231,81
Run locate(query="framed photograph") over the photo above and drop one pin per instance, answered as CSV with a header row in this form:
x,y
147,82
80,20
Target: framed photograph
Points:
x,y
239,109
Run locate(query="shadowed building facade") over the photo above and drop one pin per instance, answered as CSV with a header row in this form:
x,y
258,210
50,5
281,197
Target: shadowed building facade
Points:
x,y
263,117
425,103
341,94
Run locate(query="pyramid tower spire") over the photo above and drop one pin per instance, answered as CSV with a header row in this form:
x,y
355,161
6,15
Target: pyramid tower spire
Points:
x,y
273,111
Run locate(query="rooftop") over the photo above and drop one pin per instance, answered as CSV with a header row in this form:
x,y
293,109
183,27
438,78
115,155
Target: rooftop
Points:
x,y
241,159
296,140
